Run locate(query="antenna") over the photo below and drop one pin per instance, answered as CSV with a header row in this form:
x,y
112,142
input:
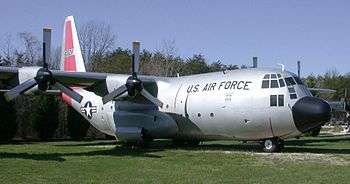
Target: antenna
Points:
x,y
298,65
255,62
282,66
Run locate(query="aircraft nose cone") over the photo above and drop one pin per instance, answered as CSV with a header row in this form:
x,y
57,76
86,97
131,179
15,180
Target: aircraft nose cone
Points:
x,y
310,112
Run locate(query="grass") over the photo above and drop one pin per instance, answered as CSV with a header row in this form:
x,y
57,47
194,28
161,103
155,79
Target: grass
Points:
x,y
307,160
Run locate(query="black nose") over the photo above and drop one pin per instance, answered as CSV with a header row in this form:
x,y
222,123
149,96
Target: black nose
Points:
x,y
310,112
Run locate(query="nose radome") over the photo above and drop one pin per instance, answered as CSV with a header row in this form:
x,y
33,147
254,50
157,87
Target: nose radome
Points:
x,y
310,112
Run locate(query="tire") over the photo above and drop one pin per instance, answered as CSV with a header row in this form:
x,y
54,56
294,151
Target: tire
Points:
x,y
271,145
193,142
178,142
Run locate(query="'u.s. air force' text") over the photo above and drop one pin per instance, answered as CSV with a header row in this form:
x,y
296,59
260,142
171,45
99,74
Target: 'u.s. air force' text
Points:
x,y
224,85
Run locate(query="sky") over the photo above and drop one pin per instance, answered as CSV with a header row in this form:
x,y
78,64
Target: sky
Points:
x,y
233,31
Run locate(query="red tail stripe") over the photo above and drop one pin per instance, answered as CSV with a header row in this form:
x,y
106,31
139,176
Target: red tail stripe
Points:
x,y
69,36
70,64
69,58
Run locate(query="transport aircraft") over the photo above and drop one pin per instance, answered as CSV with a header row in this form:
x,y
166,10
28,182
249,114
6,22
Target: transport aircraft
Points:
x,y
253,104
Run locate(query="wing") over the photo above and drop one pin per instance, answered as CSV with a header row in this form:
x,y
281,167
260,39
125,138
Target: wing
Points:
x,y
321,90
12,76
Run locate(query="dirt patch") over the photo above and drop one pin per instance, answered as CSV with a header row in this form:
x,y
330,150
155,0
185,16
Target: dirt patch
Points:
x,y
294,157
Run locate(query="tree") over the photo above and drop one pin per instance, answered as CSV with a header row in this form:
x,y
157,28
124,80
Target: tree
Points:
x,y
45,116
31,48
7,51
8,124
77,125
96,40
196,65
118,61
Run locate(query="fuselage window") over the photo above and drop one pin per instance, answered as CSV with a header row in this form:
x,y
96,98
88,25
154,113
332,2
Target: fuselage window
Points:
x,y
293,96
274,83
267,76
265,84
282,84
280,100
297,79
273,100
291,90
290,81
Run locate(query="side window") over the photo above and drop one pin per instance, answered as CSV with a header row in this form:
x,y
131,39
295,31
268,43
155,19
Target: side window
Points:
x,y
280,100
276,100
273,100
265,84
293,96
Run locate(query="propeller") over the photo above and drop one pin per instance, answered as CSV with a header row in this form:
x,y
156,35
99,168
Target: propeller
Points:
x,y
44,78
133,84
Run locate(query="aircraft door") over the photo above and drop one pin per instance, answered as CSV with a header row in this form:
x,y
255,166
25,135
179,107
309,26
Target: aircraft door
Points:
x,y
181,101
280,116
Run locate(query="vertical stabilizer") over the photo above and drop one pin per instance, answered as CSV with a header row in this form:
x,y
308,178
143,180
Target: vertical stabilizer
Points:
x,y
71,58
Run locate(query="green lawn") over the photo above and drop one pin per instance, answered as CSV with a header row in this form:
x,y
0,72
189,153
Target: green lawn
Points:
x,y
308,160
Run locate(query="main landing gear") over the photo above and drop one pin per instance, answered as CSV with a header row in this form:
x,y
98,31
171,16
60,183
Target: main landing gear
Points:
x,y
272,145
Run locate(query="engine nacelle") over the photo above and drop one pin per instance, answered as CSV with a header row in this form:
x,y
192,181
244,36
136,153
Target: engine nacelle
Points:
x,y
129,134
26,73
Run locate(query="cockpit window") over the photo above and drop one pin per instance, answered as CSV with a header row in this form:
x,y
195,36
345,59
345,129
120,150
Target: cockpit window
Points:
x,y
281,81
290,81
274,84
265,84
273,81
267,76
297,79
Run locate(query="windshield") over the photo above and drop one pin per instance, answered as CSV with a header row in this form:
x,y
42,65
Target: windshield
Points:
x,y
290,81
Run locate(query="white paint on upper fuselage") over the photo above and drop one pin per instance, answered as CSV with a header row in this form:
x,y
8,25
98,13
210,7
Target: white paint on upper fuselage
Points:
x,y
232,104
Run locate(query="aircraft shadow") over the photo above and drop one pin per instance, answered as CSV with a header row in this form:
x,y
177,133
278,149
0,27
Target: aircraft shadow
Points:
x,y
59,157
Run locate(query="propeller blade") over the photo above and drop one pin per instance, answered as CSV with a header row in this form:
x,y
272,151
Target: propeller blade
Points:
x,y
20,89
46,46
151,98
69,91
117,92
136,57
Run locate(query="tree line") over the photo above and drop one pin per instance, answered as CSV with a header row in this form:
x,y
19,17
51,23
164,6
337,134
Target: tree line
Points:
x,y
44,116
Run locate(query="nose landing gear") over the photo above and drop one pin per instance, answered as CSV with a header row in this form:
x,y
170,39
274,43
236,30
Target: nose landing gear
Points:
x,y
272,145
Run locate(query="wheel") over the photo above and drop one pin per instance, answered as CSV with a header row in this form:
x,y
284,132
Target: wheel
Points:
x,y
272,145
178,142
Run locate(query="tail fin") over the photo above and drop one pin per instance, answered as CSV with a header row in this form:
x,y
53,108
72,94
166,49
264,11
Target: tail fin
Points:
x,y
71,58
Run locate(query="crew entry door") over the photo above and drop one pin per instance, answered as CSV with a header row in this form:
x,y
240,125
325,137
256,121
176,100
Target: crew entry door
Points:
x,y
181,101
